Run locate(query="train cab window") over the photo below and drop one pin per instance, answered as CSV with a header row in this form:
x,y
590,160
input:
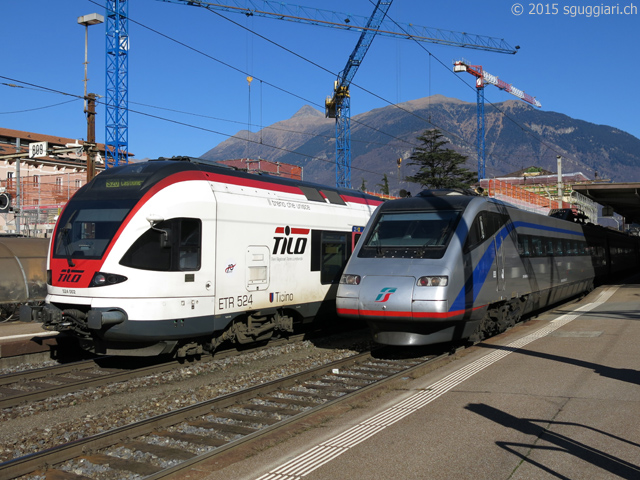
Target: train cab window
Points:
x,y
171,245
87,229
412,234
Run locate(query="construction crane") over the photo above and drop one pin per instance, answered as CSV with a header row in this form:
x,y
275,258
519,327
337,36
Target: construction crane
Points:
x,y
118,43
117,101
345,21
482,78
339,105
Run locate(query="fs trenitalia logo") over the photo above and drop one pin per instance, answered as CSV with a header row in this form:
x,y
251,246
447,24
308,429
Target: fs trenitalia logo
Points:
x,y
288,242
385,293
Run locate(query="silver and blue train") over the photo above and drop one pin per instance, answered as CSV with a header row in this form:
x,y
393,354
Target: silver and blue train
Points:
x,y
447,266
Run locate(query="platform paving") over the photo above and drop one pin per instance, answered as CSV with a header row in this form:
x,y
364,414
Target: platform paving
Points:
x,y
557,397
23,338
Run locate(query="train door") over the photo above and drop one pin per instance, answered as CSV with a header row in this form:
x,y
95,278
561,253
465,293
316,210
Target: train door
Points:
x,y
500,277
495,226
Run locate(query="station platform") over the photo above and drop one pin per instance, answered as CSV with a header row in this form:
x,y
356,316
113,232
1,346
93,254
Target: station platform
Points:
x,y
557,397
25,338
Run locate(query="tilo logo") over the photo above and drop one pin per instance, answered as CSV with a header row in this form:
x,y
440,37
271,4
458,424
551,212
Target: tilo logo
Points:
x,y
285,244
385,293
69,275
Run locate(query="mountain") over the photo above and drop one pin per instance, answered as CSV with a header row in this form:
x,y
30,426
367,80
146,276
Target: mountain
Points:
x,y
516,136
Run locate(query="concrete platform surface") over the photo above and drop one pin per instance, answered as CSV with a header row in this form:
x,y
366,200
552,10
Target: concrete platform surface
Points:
x,y
23,338
555,398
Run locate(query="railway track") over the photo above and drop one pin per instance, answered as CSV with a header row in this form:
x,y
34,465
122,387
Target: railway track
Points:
x,y
40,383
166,444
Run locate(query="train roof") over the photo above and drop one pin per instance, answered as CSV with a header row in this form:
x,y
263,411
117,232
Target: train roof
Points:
x,y
133,180
432,199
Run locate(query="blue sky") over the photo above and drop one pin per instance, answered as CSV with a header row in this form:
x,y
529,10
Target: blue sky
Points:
x,y
581,65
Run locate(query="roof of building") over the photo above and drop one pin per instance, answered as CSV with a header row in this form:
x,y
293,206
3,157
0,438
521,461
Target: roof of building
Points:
x,y
64,159
623,197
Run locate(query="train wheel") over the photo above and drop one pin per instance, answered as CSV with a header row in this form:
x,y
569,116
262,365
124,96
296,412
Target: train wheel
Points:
x,y
482,329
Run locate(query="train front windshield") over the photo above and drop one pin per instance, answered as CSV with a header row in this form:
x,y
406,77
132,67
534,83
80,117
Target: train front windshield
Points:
x,y
87,227
425,234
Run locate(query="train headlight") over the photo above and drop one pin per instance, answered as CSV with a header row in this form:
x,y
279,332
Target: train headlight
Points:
x,y
100,279
433,281
350,279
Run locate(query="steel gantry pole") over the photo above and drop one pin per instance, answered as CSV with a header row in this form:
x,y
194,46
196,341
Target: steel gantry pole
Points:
x,y
117,117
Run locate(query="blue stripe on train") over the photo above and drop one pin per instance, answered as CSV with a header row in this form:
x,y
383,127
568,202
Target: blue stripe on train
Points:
x,y
473,284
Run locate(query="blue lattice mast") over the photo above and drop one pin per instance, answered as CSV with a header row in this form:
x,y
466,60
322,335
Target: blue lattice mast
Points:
x,y
117,113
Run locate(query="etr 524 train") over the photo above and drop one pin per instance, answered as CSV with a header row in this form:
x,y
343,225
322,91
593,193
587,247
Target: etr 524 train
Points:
x,y
178,256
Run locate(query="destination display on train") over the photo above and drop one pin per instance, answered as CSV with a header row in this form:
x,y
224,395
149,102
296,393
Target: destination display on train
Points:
x,y
123,182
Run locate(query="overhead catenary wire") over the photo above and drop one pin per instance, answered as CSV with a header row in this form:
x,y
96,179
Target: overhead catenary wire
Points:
x,y
176,122
404,141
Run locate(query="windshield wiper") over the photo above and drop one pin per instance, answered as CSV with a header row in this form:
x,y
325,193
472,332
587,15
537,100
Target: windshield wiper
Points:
x,y
65,241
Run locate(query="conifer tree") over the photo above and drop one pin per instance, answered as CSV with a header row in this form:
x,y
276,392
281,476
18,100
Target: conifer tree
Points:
x,y
384,186
439,167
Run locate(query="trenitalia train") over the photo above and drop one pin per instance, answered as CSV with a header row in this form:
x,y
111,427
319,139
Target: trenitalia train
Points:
x,y
447,266
177,256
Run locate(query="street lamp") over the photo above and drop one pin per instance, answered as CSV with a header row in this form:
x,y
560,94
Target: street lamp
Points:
x,y
86,20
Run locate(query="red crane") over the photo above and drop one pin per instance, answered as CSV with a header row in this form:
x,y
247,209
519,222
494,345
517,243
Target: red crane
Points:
x,y
483,77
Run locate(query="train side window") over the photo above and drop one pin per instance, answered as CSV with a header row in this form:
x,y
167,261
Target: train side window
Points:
x,y
549,247
189,246
559,249
172,245
585,249
526,248
476,234
537,247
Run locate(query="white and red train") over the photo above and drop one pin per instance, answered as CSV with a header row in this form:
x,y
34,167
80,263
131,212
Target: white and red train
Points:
x,y
177,256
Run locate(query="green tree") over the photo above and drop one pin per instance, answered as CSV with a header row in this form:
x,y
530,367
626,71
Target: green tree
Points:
x,y
363,187
384,186
439,167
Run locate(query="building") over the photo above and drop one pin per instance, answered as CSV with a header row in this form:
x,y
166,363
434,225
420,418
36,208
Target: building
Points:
x,y
539,190
34,190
